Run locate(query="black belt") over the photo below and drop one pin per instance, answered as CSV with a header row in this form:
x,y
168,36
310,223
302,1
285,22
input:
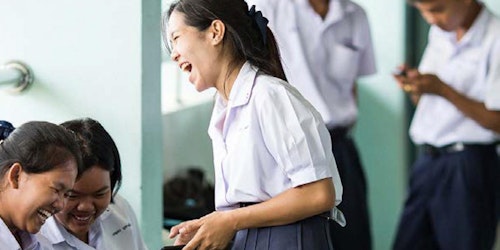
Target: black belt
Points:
x,y
246,204
338,132
451,148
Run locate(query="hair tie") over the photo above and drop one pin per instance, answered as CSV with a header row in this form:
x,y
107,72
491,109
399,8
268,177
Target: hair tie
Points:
x,y
261,22
5,129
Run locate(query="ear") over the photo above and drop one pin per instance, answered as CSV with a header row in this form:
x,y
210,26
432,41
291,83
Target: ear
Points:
x,y
217,31
14,175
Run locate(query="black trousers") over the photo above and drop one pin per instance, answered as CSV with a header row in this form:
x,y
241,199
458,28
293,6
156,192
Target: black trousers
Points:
x,y
356,235
452,201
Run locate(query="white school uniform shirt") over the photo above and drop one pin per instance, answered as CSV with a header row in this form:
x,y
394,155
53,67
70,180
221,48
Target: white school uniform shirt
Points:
x,y
323,58
9,242
267,139
471,67
114,229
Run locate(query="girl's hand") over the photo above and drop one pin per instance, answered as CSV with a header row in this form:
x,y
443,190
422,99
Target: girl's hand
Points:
x,y
214,231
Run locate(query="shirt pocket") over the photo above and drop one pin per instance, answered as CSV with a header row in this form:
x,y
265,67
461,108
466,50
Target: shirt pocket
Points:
x,y
344,64
238,135
464,72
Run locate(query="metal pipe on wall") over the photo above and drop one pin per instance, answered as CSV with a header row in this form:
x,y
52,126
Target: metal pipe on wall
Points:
x,y
16,74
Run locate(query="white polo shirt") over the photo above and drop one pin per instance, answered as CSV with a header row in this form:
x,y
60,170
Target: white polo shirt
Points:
x,y
323,58
471,67
9,242
267,139
115,229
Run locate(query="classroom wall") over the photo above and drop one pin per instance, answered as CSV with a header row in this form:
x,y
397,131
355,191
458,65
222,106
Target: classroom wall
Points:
x,y
186,140
98,59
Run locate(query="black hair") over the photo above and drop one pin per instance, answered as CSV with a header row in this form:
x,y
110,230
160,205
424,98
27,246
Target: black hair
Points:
x,y
98,149
38,146
242,32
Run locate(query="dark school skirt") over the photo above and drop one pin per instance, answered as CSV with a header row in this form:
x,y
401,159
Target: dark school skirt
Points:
x,y
309,234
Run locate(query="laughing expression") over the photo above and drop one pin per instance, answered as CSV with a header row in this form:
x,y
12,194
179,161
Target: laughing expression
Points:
x,y
42,195
87,200
194,52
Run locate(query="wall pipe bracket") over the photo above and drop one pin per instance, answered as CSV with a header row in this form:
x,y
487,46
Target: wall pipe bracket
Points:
x,y
18,74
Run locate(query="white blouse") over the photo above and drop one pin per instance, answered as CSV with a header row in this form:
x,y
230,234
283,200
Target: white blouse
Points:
x,y
115,229
267,139
9,242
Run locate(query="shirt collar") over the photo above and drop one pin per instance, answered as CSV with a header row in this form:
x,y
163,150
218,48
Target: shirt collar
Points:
x,y
95,230
53,231
474,35
6,236
56,233
243,85
336,12
28,241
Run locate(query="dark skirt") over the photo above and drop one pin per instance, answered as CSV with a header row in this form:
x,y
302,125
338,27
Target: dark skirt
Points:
x,y
311,233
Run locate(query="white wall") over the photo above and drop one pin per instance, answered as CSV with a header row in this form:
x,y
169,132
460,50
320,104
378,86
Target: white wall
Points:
x,y
381,131
99,59
186,140
493,5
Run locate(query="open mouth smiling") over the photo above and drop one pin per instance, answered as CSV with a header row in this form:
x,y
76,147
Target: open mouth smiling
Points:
x,y
185,66
43,214
83,218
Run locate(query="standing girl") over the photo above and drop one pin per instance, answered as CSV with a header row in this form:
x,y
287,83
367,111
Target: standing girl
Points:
x,y
276,177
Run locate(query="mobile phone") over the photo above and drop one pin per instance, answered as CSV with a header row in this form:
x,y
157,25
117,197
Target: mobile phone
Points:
x,y
399,72
179,247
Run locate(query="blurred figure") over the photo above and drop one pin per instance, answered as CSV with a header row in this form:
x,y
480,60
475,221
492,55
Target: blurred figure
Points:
x,y
326,46
454,183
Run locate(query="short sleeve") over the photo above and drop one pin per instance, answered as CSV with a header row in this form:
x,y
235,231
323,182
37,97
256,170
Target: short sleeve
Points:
x,y
295,137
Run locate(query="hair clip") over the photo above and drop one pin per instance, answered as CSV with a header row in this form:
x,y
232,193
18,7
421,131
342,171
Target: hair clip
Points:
x,y
261,22
5,129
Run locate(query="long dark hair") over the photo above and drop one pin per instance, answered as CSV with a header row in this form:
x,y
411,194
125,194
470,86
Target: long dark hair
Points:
x,y
98,149
242,31
38,146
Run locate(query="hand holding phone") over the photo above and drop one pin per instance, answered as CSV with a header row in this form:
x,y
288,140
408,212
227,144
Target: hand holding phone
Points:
x,y
400,72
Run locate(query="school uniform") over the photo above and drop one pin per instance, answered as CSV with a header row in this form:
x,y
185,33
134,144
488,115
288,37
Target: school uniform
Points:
x,y
9,242
323,58
115,229
453,196
267,139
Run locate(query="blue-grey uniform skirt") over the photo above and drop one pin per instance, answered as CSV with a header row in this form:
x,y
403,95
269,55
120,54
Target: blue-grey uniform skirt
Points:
x,y
311,233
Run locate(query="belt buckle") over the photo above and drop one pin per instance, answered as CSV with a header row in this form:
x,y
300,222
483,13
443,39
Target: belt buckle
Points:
x,y
457,147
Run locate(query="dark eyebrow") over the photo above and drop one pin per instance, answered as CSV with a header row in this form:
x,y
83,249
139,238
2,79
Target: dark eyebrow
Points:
x,y
98,191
